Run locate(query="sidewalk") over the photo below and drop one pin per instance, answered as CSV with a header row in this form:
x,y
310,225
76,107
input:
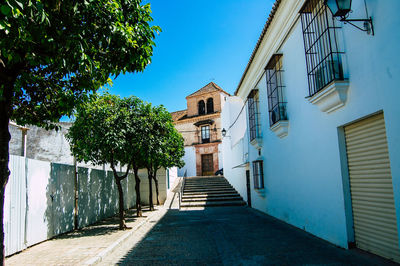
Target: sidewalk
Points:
x,y
91,244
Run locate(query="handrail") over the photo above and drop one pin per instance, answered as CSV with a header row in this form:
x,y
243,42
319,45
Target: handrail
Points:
x,y
181,190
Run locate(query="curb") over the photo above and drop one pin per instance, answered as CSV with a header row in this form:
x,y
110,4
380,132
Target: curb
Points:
x,y
99,257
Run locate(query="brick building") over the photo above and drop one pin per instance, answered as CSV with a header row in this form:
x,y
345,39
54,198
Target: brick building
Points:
x,y
200,125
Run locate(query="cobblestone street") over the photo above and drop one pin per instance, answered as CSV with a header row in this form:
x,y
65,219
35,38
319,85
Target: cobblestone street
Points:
x,y
231,236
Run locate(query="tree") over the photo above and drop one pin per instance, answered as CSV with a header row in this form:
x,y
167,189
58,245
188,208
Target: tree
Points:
x,y
164,146
53,53
172,152
104,133
150,135
139,137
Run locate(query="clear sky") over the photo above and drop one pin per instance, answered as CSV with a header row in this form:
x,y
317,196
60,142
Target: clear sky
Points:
x,y
201,41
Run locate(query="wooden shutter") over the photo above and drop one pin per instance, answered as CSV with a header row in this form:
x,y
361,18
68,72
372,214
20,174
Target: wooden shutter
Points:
x,y
374,214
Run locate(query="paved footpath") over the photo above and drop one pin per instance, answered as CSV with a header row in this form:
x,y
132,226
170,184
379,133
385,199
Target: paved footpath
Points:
x,y
91,244
231,236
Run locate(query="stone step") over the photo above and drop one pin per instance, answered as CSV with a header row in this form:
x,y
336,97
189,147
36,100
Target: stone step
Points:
x,y
215,187
208,186
209,193
211,199
206,182
209,190
204,177
212,204
210,196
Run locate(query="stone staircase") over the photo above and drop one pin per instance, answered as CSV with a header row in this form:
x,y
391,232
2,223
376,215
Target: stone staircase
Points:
x,y
209,191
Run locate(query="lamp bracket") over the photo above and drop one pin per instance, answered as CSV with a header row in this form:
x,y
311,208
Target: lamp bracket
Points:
x,y
368,26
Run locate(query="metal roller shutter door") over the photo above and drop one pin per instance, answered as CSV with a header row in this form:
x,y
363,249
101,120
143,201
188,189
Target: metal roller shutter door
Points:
x,y
374,214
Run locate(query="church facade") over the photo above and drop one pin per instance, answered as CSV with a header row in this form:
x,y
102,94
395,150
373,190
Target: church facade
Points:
x,y
200,126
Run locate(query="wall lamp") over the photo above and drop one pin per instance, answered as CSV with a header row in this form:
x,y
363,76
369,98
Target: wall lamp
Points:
x,y
223,132
341,8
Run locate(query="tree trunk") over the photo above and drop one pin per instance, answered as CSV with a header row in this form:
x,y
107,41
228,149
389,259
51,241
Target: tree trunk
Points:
x,y
156,183
137,189
122,225
5,137
150,176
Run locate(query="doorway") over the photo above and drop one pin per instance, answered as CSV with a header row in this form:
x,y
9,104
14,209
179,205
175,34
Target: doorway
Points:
x,y
248,188
207,165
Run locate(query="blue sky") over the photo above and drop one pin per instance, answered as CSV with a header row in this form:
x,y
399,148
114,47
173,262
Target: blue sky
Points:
x,y
201,41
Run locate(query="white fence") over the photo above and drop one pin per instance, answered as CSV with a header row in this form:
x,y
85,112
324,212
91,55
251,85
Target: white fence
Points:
x,y
40,199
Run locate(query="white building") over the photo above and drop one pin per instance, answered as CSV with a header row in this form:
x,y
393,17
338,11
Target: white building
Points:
x,y
314,123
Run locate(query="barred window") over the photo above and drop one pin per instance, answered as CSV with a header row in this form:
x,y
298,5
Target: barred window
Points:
x,y
252,102
276,103
323,58
205,134
258,174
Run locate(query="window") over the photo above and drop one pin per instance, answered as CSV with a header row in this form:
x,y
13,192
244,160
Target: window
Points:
x,y
276,103
210,106
202,107
322,54
205,134
253,114
258,174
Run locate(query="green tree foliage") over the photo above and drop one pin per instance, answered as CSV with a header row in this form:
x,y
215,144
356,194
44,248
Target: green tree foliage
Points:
x,y
52,53
104,132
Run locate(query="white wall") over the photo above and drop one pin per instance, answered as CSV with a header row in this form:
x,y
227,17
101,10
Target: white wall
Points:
x,y
173,175
39,199
220,157
232,146
302,172
190,162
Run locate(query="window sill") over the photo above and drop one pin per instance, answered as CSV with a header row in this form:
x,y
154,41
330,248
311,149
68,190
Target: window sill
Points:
x,y
257,142
280,128
332,97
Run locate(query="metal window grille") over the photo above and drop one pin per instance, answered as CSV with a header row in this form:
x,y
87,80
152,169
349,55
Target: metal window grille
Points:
x,y
276,103
202,107
323,58
210,106
258,174
252,102
205,134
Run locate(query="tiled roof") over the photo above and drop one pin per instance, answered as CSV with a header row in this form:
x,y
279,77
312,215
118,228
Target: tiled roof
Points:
x,y
266,26
208,88
178,115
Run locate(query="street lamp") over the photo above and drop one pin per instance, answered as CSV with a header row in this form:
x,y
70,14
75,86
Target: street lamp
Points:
x,y
223,132
341,8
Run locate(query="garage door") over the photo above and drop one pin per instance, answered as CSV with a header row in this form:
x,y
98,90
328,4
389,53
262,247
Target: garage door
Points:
x,y
374,215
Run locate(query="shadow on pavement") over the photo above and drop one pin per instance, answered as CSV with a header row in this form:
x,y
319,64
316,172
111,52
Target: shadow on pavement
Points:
x,y
104,227
236,236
